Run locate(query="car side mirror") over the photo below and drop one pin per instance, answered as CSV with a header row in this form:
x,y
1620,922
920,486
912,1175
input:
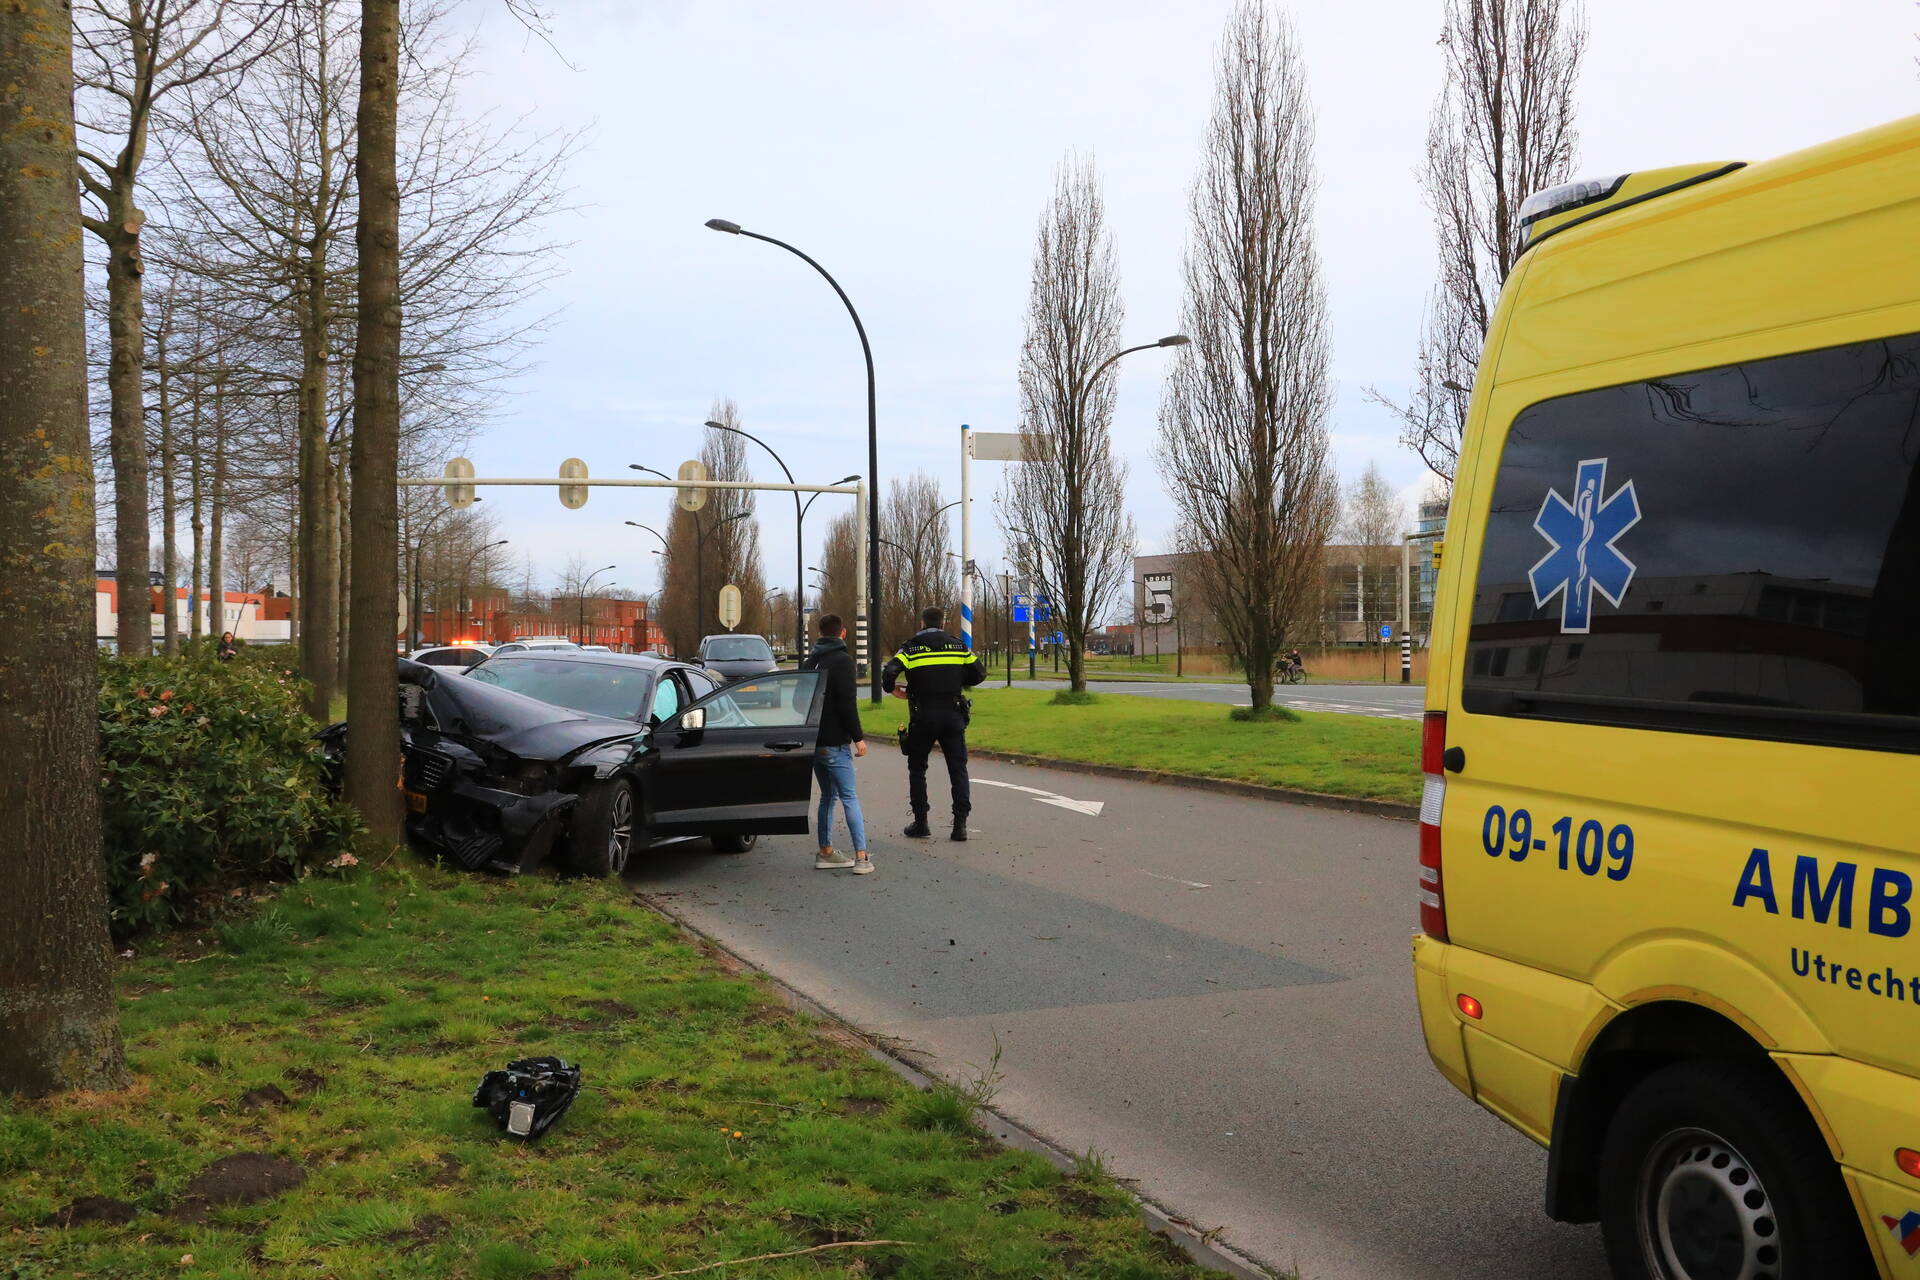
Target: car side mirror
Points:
x,y
693,721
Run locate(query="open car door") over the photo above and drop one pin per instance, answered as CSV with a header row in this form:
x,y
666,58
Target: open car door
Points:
x,y
738,761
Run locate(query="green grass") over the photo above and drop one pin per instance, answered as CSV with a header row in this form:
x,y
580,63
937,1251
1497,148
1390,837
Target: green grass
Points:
x,y
715,1124
1342,755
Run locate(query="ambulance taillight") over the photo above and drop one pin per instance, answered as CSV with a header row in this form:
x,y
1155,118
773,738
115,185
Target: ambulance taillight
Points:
x,y
1433,792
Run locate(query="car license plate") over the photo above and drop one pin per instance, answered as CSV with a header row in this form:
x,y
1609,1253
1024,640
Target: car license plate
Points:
x,y
416,801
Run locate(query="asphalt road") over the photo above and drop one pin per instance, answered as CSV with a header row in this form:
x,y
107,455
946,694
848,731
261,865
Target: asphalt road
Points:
x,y
1213,992
1392,701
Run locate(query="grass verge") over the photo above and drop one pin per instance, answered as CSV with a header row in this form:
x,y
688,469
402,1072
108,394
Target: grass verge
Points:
x,y
1341,755
343,1027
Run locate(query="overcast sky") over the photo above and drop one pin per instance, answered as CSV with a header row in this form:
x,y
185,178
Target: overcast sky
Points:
x,y
910,147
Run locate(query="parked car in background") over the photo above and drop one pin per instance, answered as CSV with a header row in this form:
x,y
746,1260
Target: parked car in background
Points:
x,y
457,656
735,657
581,759
530,644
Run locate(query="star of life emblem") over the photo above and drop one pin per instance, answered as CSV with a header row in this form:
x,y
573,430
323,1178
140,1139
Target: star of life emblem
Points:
x,y
1584,559
1906,1229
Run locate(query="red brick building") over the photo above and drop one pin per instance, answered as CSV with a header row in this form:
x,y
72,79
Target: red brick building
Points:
x,y
621,625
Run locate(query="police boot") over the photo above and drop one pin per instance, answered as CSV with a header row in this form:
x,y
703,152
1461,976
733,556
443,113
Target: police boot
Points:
x,y
959,826
917,829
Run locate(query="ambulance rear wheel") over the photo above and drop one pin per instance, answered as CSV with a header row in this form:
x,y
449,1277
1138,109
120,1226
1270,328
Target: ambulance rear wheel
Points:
x,y
1713,1171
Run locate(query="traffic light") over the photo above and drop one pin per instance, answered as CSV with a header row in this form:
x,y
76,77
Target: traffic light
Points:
x,y
1439,545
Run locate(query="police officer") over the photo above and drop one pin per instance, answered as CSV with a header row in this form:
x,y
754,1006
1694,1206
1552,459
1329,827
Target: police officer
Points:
x,y
938,669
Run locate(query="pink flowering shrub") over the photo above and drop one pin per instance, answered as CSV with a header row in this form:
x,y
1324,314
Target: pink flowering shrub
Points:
x,y
208,781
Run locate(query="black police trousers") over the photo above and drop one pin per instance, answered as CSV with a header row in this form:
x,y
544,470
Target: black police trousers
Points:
x,y
947,726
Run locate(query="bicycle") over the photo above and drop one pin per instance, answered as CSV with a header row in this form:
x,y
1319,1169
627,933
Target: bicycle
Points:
x,y
1291,673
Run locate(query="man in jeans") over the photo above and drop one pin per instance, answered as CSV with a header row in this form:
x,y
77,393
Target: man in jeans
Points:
x,y
840,740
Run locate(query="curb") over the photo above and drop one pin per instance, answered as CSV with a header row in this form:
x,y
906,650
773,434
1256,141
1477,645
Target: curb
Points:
x,y
1226,786
1197,1244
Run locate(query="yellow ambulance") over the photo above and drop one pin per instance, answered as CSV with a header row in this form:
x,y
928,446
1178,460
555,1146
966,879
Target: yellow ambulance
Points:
x,y
1671,825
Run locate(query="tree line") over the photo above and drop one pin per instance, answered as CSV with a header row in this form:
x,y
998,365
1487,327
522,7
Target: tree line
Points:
x,y
212,194
1242,442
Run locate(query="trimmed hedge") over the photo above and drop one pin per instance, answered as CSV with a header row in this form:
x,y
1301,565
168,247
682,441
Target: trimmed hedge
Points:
x,y
208,781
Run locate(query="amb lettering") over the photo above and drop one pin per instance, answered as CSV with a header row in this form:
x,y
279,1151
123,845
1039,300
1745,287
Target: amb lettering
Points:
x,y
1838,893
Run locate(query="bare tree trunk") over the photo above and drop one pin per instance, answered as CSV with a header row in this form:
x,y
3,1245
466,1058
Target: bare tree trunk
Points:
x,y
319,580
127,434
295,626
341,547
169,508
196,518
217,505
58,1025
373,750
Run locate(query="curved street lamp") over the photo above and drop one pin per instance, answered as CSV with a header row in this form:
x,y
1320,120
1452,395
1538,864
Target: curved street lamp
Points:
x,y
1084,390
466,615
419,546
700,562
799,517
873,448
583,596
650,529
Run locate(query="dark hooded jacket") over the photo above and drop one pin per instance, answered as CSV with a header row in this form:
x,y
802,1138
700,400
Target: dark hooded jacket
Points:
x,y
840,711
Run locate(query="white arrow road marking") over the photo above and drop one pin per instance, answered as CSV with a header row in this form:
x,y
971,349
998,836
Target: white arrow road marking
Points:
x,y
1191,884
1091,808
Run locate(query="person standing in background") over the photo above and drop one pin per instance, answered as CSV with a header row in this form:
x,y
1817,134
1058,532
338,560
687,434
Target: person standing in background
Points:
x,y
938,669
840,742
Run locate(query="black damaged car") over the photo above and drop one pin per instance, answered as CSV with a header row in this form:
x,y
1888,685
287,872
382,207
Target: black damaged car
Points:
x,y
582,758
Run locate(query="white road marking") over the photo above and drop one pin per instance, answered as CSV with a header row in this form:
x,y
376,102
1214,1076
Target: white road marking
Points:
x,y
1191,884
1091,808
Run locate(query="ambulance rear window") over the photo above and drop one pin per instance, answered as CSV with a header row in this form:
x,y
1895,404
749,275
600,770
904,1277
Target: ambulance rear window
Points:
x,y
1731,551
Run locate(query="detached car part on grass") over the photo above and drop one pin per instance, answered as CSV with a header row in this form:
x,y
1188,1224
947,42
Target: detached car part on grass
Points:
x,y
530,1096
499,781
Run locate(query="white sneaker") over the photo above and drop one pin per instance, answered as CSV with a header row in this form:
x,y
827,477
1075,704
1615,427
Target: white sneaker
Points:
x,y
832,861
864,867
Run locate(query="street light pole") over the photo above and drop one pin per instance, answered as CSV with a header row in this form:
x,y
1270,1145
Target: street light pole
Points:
x,y
466,614
867,627
419,546
800,615
799,552
1084,390
700,564
583,597
646,632
919,537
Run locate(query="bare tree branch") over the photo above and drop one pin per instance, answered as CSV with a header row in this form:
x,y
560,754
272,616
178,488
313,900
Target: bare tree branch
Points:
x,y
1502,129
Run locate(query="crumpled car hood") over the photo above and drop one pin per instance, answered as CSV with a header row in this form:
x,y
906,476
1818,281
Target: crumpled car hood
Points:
x,y
527,727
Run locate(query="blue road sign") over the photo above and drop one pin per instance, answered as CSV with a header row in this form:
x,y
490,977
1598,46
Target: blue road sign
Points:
x,y
1031,608
1386,631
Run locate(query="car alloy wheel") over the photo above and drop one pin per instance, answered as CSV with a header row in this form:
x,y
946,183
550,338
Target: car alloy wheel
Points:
x,y
620,829
1703,1213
